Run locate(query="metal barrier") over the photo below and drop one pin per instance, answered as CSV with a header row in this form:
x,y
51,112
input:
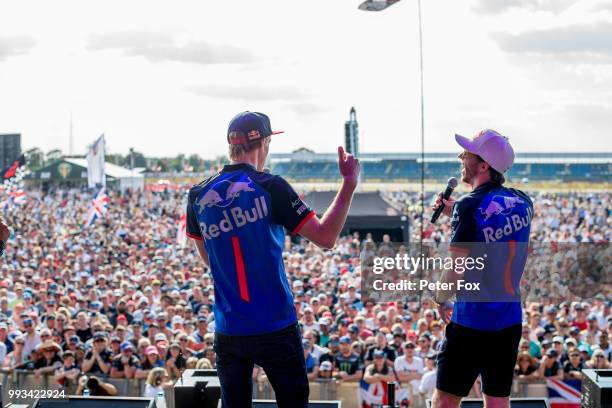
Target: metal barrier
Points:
x,y
324,389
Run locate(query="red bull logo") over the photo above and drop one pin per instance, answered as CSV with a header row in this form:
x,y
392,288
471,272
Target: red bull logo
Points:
x,y
221,199
235,217
223,194
516,218
500,205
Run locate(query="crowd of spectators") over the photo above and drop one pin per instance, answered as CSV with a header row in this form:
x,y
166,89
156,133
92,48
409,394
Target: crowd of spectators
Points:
x,y
122,299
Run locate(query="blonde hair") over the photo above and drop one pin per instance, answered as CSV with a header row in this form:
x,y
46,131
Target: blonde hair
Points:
x,y
154,378
235,151
192,362
203,363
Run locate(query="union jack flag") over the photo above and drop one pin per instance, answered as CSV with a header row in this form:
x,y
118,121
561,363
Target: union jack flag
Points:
x,y
563,394
97,207
375,395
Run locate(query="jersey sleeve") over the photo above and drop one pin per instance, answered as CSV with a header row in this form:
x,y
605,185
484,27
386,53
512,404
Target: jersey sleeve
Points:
x,y
463,223
288,209
192,225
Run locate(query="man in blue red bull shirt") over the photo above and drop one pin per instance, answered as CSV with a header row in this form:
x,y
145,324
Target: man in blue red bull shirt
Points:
x,y
237,220
490,220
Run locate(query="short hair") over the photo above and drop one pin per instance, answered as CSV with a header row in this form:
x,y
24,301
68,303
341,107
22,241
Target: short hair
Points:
x,y
496,176
237,150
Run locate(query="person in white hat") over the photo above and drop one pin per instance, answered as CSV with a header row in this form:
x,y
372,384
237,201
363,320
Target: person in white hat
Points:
x,y
490,220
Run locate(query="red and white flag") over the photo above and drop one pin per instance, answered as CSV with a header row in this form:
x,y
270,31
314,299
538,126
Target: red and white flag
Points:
x,y
181,230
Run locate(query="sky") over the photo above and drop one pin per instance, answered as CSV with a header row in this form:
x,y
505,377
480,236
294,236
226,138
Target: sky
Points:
x,y
166,77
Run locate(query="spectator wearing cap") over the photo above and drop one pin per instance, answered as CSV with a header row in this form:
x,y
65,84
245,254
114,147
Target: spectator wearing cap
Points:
x,y
16,358
347,363
124,364
98,360
50,360
325,370
32,338
201,331
69,370
572,369
353,332
550,321
579,341
580,320
316,350
378,371
115,345
557,345
308,319
427,385
152,360
399,337
408,367
591,333
550,366
533,347
312,368
324,327
380,345
121,312
72,341
333,348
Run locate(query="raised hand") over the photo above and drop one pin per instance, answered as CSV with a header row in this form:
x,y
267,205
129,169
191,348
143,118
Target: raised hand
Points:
x,y
349,167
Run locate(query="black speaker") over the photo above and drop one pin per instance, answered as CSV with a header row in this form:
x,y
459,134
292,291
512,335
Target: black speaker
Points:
x,y
197,389
205,372
597,388
311,404
514,403
97,402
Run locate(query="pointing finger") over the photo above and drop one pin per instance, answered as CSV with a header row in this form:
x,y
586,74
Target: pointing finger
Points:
x,y
341,153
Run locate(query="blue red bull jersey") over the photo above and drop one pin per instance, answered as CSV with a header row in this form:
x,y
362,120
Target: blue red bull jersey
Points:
x,y
241,215
499,220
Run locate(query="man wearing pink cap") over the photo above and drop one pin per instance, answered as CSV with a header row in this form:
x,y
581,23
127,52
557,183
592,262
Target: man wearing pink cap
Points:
x,y
492,221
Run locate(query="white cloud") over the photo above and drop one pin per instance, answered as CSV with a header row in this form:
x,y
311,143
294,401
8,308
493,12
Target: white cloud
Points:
x,y
167,77
15,45
158,46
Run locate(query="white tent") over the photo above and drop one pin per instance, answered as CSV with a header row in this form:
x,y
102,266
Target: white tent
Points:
x,y
127,178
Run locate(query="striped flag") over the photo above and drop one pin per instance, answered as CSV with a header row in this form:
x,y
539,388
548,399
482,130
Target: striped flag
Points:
x,y
96,175
563,394
97,207
12,183
181,230
375,395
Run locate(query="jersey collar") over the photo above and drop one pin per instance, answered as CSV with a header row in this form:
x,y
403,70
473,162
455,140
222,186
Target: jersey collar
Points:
x,y
238,166
483,188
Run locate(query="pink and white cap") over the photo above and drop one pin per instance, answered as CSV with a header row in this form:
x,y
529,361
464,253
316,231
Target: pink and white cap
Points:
x,y
494,148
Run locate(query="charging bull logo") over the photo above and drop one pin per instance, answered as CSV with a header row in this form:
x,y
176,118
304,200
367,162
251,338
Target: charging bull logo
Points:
x,y
223,194
236,188
208,200
500,205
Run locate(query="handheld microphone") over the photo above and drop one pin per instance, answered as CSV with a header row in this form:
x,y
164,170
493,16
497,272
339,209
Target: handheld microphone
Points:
x,y
452,183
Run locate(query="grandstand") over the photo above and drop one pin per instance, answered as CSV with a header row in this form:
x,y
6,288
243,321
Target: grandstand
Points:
x,y
307,166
